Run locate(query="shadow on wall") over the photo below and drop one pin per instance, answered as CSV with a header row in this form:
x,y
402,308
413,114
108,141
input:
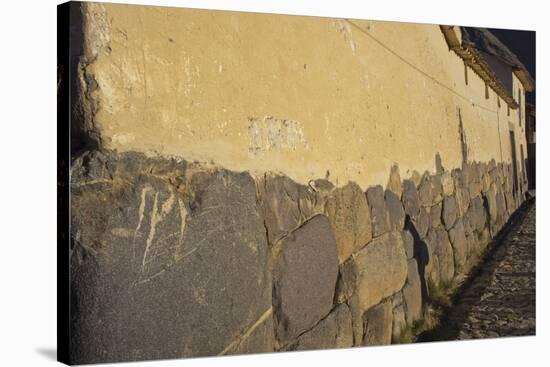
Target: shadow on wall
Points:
x,y
421,255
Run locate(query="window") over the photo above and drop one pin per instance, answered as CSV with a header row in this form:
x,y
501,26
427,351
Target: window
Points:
x,y
486,91
465,73
498,102
508,113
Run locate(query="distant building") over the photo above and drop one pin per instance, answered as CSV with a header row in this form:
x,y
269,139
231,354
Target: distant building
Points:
x,y
530,132
503,72
530,123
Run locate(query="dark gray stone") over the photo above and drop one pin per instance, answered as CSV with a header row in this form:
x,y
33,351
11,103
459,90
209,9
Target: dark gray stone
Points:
x,y
449,214
334,331
257,339
378,324
304,278
347,281
395,210
411,203
378,213
153,243
286,205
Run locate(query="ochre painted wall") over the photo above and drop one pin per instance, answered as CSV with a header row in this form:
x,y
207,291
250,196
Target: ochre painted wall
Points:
x,y
299,95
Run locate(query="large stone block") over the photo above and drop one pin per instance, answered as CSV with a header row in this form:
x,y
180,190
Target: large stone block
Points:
x,y
474,189
258,338
378,324
412,293
286,205
398,315
486,182
477,215
304,278
408,243
445,256
467,173
431,245
378,212
334,331
376,272
422,222
459,178
434,275
435,215
411,203
462,201
349,215
156,240
441,259
382,269
457,235
395,210
449,214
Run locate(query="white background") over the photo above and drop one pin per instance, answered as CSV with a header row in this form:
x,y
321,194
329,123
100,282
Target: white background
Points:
x,y
28,183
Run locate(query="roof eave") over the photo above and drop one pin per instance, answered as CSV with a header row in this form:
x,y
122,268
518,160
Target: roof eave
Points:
x,y
471,56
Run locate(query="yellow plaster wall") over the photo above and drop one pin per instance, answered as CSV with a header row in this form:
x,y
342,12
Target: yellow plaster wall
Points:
x,y
299,95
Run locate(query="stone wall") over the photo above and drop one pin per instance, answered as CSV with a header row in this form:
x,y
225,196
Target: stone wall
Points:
x,y
175,259
237,180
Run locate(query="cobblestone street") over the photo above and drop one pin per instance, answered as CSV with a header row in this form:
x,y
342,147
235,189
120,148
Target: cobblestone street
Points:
x,y
500,299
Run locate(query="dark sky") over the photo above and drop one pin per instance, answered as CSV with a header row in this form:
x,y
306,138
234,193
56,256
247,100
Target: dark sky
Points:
x,y
522,43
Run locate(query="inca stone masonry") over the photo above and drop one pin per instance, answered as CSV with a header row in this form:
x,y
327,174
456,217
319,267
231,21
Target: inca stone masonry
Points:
x,y
245,183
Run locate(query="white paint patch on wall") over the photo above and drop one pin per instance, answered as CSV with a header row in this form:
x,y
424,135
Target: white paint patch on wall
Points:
x,y
272,134
345,28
